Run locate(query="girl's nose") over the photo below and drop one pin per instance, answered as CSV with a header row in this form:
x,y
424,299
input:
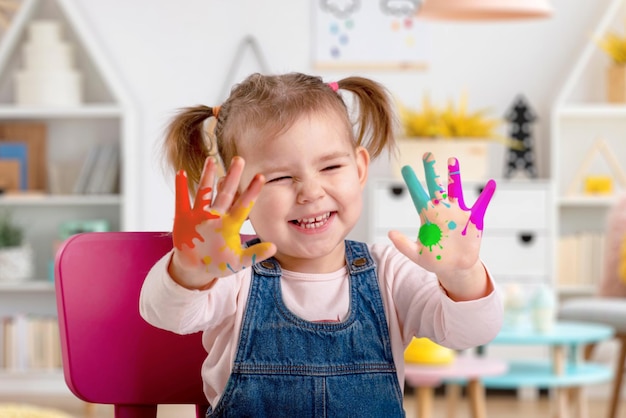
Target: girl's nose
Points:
x,y
310,191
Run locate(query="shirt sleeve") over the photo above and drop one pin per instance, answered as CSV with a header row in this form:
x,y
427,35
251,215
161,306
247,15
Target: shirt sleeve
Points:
x,y
422,308
165,304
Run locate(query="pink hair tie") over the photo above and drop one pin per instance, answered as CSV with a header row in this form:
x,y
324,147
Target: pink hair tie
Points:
x,y
334,85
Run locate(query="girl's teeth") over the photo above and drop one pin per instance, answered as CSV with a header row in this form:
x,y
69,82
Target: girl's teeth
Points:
x,y
310,223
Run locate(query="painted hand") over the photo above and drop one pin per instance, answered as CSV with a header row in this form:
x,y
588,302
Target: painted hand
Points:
x,y
450,232
206,236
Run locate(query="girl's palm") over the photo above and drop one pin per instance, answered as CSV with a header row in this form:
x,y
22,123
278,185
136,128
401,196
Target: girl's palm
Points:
x,y
450,233
206,236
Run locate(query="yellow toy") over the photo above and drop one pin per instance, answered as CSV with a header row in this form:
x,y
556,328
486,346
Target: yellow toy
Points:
x,y
424,351
596,185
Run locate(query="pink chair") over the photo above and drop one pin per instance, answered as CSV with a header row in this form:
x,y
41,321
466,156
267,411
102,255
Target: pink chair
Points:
x,y
110,354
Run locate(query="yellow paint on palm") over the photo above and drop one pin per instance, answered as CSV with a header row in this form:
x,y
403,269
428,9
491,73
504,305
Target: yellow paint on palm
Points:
x,y
231,224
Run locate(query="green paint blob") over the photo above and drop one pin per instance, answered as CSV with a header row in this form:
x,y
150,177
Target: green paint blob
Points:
x,y
429,235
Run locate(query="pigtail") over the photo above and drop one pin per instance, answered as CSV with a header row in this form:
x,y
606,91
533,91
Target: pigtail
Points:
x,y
376,117
186,145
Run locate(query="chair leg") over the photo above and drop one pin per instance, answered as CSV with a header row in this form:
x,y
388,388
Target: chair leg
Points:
x,y
90,410
588,351
619,374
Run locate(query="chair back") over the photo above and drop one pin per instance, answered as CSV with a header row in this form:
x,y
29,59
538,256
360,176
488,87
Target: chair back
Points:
x,y
110,354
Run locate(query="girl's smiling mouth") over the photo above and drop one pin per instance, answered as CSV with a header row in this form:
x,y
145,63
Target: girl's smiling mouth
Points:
x,y
313,222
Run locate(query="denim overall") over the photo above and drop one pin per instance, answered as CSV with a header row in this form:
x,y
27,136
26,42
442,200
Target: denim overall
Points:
x,y
288,367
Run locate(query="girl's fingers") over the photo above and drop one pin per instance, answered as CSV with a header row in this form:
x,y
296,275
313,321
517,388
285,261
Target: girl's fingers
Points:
x,y
435,190
183,204
227,187
204,195
404,244
455,187
477,214
242,206
257,253
418,195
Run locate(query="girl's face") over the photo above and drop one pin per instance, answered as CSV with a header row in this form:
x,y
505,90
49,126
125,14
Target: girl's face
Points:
x,y
313,192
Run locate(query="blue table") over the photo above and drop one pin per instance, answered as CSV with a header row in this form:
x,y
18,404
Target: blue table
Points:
x,y
565,371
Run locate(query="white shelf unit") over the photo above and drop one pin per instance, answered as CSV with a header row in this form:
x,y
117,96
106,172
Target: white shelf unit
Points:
x,y
106,114
580,118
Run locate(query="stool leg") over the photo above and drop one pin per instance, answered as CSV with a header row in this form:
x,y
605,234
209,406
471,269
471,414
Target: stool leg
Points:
x,y
578,399
424,399
476,393
562,403
619,374
453,394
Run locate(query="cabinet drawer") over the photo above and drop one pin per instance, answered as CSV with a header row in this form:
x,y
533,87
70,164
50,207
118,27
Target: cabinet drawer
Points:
x,y
513,254
521,253
510,208
392,207
518,208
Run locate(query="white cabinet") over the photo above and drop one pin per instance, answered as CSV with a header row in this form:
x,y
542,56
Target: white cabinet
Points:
x,y
104,115
587,141
517,239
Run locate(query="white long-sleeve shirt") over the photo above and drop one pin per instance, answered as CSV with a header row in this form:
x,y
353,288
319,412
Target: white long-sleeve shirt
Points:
x,y
415,305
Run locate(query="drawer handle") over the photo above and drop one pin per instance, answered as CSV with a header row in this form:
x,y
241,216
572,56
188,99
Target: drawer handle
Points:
x,y
526,238
397,190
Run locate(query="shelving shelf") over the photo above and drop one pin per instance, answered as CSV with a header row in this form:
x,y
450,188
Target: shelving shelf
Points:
x,y
105,115
87,111
33,382
588,138
30,286
592,111
586,201
37,199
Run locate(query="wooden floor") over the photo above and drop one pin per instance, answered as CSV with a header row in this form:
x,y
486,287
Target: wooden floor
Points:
x,y
498,406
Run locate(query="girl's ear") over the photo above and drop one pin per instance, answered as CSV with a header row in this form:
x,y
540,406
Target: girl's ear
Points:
x,y
362,165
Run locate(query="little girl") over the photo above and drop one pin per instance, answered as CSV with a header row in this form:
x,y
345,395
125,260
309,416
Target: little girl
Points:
x,y
318,325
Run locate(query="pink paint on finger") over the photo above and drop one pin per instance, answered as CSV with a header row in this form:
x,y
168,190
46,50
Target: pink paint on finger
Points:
x,y
477,214
455,188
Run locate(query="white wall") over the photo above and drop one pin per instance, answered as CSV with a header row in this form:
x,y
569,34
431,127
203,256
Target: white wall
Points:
x,y
173,53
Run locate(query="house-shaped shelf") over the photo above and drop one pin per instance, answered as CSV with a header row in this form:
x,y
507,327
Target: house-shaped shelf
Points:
x,y
100,84
585,85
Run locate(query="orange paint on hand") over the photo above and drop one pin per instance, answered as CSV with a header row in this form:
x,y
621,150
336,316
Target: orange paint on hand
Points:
x,y
186,218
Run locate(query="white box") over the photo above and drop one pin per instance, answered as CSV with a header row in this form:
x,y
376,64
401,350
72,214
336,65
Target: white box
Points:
x,y
51,57
58,88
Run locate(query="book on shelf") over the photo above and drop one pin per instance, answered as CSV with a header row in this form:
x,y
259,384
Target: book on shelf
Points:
x,y
80,186
33,135
30,343
16,151
580,258
99,173
9,175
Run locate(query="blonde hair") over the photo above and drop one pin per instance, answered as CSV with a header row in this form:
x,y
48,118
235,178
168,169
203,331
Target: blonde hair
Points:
x,y
263,106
